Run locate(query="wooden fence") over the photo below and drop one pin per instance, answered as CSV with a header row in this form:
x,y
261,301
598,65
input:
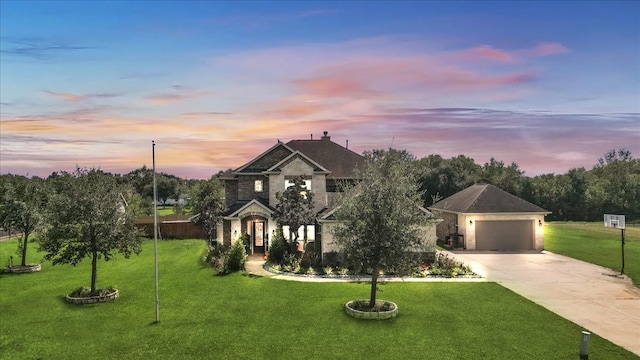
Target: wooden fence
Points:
x,y
171,227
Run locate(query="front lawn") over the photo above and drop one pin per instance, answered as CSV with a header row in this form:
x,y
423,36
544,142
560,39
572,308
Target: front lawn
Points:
x,y
203,316
593,243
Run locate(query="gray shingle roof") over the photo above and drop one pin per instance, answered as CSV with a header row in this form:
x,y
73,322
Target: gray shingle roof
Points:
x,y
485,198
337,159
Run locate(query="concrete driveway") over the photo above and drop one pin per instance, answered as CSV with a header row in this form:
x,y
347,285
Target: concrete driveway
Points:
x,y
586,294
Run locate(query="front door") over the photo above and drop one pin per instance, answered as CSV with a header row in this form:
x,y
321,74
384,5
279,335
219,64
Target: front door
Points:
x,y
258,237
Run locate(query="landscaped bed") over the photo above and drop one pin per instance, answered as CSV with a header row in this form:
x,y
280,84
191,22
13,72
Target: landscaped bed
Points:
x,y
242,317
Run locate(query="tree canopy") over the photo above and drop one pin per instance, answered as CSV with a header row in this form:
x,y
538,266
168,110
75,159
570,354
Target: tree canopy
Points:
x,y
88,217
207,202
22,207
381,217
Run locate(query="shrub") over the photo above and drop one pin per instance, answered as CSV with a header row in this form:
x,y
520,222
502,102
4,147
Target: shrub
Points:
x,y
328,270
278,248
332,259
310,258
444,265
214,256
235,260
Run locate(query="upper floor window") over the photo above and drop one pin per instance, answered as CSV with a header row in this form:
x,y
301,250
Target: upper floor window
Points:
x,y
289,182
257,186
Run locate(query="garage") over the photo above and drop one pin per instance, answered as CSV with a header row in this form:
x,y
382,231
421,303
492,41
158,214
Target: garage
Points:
x,y
484,217
504,235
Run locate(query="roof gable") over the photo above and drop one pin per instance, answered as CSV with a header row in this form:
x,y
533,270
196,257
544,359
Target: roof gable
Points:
x,y
256,205
485,198
267,159
317,168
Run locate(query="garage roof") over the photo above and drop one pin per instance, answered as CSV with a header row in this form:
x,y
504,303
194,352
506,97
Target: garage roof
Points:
x,y
485,198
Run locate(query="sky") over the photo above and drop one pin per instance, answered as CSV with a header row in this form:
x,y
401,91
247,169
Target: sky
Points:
x,y
549,85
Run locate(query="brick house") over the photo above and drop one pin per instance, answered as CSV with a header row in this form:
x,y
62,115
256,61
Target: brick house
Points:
x,y
250,190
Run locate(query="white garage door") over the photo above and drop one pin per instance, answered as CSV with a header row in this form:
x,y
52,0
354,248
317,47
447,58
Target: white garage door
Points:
x,y
504,235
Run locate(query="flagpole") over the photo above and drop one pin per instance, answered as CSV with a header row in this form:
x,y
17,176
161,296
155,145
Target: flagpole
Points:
x,y
155,226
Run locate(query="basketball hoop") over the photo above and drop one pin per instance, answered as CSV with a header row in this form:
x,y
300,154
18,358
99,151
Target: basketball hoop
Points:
x,y
616,221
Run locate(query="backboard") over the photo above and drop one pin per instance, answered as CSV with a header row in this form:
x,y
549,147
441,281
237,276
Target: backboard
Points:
x,y
614,221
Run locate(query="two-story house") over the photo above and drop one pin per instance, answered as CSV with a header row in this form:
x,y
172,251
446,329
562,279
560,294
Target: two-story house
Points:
x,y
250,190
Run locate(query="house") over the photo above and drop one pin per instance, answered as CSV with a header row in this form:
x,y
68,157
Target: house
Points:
x,y
250,191
484,217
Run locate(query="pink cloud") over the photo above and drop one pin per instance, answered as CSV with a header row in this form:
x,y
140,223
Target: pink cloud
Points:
x,y
65,96
179,94
485,52
547,48
331,87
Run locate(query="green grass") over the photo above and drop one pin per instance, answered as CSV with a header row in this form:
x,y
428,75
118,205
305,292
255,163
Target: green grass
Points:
x,y
593,243
203,316
165,210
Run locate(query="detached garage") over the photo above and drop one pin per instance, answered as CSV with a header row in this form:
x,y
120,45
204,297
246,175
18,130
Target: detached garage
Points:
x,y
484,217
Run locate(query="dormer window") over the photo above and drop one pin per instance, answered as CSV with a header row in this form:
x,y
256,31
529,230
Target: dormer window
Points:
x,y
257,186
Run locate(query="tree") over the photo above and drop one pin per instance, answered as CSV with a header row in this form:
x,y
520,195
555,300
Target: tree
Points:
x,y
295,206
207,201
381,217
87,217
444,177
167,188
22,207
614,186
507,178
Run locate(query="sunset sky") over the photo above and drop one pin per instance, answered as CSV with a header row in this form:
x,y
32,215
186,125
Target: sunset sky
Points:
x,y
549,85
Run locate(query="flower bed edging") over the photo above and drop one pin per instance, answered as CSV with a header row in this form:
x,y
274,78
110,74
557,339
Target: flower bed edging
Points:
x,y
371,315
93,299
19,269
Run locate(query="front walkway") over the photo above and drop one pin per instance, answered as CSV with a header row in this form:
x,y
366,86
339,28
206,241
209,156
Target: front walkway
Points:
x,y
586,294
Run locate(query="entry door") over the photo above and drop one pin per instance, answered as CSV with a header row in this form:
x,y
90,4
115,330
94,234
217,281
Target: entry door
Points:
x,y
258,237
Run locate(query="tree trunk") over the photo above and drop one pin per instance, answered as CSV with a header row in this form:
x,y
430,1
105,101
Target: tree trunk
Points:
x,y
25,241
374,289
94,270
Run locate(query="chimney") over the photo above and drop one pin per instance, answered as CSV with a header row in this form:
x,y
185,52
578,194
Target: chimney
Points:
x,y
325,136
311,136
347,144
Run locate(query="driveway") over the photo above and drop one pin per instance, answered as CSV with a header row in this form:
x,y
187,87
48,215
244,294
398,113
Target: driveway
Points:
x,y
586,294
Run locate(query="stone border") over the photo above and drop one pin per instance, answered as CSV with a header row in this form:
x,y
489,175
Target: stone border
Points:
x,y
372,315
93,299
19,269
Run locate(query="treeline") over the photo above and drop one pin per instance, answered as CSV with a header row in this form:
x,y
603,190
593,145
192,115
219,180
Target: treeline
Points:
x,y
137,188
612,186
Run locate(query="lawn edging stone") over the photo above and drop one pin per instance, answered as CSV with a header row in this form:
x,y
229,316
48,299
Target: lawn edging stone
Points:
x,y
372,315
93,299
19,269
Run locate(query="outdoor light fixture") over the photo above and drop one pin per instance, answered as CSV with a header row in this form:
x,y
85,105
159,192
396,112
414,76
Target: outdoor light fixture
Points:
x,y
470,222
539,222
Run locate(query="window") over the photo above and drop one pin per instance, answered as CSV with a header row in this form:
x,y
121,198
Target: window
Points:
x,y
257,186
307,186
288,183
